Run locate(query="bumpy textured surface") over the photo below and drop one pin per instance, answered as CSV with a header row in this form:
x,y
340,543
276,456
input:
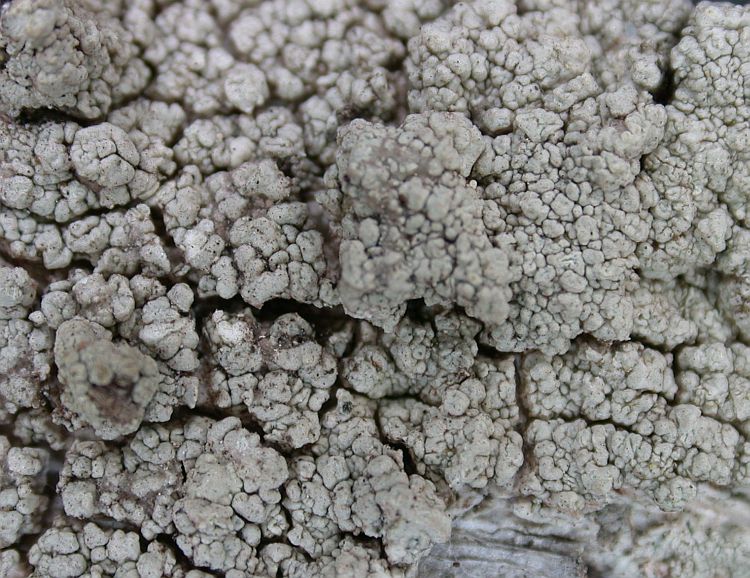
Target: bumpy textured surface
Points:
x,y
374,288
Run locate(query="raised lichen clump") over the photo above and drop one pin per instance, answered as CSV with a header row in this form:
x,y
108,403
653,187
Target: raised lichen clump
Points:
x,y
104,385
288,286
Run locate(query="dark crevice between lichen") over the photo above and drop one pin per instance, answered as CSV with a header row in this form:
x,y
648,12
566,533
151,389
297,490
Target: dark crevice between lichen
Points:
x,y
524,420
286,513
410,466
664,93
660,347
186,563
52,478
38,116
51,390
54,507
325,320
489,352
42,276
418,312
330,404
204,308
175,255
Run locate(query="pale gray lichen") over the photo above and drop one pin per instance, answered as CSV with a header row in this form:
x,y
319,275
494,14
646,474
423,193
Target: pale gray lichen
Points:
x,y
417,359
57,54
287,287
700,169
279,372
468,440
247,232
25,349
411,221
104,385
617,412
23,499
563,197
72,548
363,482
